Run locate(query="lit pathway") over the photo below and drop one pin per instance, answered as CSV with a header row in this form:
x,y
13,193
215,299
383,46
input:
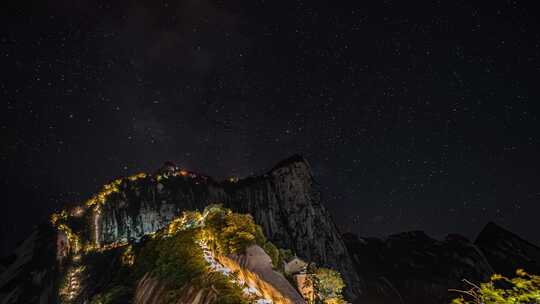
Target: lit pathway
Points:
x,y
216,266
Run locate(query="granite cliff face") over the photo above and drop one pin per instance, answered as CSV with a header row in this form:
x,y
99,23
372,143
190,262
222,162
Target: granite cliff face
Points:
x,y
284,201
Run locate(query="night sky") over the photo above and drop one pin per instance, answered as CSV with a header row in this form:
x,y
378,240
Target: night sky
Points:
x,y
419,116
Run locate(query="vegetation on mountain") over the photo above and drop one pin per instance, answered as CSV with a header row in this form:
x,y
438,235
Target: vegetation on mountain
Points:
x,y
175,256
231,233
176,259
119,294
328,286
522,289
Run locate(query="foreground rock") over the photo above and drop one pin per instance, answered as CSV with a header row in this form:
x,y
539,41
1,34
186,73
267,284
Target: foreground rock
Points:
x,y
255,267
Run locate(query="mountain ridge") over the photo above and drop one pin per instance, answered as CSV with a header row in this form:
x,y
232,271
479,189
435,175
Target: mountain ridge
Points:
x,y
287,203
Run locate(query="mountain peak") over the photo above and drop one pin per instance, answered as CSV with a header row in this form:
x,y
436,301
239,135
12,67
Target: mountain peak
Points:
x,y
284,202
492,231
491,227
506,251
293,159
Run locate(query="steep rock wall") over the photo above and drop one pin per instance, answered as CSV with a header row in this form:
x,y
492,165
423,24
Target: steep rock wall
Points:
x,y
284,201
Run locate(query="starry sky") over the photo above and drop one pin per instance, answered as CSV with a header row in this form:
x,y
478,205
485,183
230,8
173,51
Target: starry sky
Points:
x,y
413,117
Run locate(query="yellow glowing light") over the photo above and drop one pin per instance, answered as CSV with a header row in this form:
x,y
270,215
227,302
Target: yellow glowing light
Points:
x,y
58,217
77,211
137,176
73,238
128,256
97,216
108,189
72,284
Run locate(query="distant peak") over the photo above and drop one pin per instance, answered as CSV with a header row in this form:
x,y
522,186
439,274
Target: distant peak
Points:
x,y
412,235
494,231
168,166
293,159
492,227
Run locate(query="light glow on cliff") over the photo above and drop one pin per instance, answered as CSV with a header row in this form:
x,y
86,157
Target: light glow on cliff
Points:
x,y
128,256
73,238
97,215
77,211
191,220
72,285
250,290
215,249
110,188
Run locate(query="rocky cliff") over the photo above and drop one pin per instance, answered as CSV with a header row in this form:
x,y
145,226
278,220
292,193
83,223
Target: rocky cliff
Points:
x,y
255,267
285,202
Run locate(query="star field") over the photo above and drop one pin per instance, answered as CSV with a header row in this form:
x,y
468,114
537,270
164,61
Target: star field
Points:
x,y
413,117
